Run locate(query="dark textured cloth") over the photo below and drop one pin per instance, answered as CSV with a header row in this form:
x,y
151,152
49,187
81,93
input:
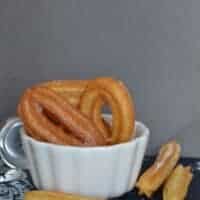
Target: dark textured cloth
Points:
x,y
13,189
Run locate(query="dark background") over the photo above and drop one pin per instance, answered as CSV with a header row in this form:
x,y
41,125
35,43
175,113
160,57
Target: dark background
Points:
x,y
154,46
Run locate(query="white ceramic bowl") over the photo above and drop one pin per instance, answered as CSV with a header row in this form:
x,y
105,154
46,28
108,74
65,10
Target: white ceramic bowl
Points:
x,y
92,171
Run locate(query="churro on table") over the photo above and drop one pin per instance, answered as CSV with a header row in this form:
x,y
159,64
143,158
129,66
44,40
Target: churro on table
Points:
x,y
177,185
150,181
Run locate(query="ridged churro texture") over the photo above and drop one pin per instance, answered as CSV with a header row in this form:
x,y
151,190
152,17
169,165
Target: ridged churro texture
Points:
x,y
164,164
80,130
114,94
47,195
71,90
177,185
70,112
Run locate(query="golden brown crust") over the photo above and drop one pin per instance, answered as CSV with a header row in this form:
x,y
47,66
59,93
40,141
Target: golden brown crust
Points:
x,y
96,115
48,195
115,94
155,176
71,90
177,185
82,130
82,100
76,93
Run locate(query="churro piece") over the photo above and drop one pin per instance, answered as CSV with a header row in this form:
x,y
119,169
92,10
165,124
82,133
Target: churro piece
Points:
x,y
71,90
82,132
91,95
155,176
46,195
177,185
115,94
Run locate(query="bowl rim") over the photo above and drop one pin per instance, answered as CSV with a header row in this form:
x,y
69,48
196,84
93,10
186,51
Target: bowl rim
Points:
x,y
145,132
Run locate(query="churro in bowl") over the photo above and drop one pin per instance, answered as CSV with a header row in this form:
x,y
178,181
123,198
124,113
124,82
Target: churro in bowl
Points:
x,y
72,147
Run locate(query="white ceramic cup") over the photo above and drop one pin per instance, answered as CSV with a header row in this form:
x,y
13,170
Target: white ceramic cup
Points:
x,y
92,171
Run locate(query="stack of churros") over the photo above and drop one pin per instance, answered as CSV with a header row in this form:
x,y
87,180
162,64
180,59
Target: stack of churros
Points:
x,y
68,112
163,172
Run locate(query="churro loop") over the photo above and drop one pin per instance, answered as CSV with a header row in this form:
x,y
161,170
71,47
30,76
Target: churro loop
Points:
x,y
81,130
74,107
116,95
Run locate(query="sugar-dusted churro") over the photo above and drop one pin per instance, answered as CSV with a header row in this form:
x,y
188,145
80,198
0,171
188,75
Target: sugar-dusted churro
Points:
x,y
155,176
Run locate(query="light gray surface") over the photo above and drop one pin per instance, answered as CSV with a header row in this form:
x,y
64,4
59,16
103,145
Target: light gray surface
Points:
x,y
154,46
